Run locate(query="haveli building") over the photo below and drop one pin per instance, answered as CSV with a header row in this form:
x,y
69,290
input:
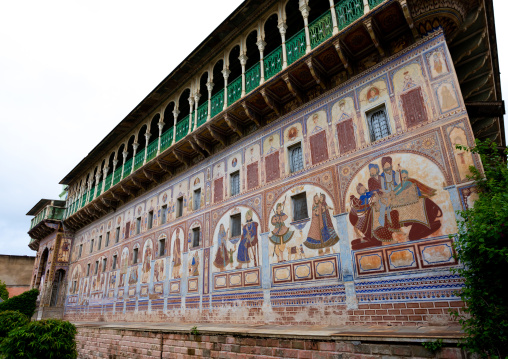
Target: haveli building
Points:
x,y
298,167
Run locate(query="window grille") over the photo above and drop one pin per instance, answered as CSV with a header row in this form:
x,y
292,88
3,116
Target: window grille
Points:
x,y
378,124
295,158
300,206
236,225
197,199
138,225
162,246
117,234
179,206
164,214
114,262
235,183
150,219
195,237
135,256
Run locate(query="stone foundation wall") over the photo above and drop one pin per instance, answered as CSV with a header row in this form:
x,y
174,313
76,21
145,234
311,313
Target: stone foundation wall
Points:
x,y
393,314
143,344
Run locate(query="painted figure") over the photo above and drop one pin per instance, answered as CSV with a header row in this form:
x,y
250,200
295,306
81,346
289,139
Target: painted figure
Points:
x,y
448,100
194,265
281,234
321,233
177,256
221,260
249,242
438,65
373,94
124,265
377,214
147,263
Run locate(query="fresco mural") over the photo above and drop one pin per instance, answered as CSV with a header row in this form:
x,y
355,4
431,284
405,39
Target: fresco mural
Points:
x,y
398,198
176,249
313,235
236,248
147,261
319,229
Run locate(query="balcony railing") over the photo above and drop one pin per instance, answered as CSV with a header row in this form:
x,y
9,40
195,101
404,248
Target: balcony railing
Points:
x,y
117,175
48,212
235,90
252,77
348,11
182,128
217,103
151,150
107,184
139,159
166,139
202,114
321,29
374,3
127,168
99,189
296,46
273,62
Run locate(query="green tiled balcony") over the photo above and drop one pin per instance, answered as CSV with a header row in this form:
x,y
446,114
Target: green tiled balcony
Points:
x,y
182,128
273,63
151,150
167,139
321,29
235,90
127,168
217,103
348,11
202,114
252,77
296,46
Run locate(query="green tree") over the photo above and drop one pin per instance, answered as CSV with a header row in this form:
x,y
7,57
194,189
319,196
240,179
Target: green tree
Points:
x,y
23,303
4,294
11,319
481,247
44,339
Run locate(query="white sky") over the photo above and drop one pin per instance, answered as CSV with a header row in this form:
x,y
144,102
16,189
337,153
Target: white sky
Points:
x,y
71,70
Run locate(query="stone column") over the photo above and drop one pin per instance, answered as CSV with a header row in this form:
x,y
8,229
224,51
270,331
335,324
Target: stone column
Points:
x,y
147,141
261,47
334,18
346,261
160,124
282,29
191,109
97,189
135,146
176,112
115,163
304,9
366,7
197,96
243,61
124,154
225,73
209,87
104,175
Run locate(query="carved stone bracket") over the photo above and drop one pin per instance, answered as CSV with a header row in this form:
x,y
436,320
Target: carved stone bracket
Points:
x,y
203,144
253,115
271,101
180,156
233,124
317,73
152,176
343,57
368,25
295,89
166,166
217,135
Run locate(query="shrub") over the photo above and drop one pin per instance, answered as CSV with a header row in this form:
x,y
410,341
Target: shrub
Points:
x,y
481,248
24,303
44,339
11,319
4,293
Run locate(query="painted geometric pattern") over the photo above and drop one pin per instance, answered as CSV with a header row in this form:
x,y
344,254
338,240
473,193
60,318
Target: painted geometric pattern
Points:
x,y
429,288
328,295
248,299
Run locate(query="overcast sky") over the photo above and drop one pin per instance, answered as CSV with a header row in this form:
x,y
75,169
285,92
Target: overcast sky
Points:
x,y
71,70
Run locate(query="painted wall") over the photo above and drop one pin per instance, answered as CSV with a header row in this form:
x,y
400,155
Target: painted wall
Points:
x,y
15,272
376,230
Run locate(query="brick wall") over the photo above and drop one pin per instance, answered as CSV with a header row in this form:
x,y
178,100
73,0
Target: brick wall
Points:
x,y
394,314
143,344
